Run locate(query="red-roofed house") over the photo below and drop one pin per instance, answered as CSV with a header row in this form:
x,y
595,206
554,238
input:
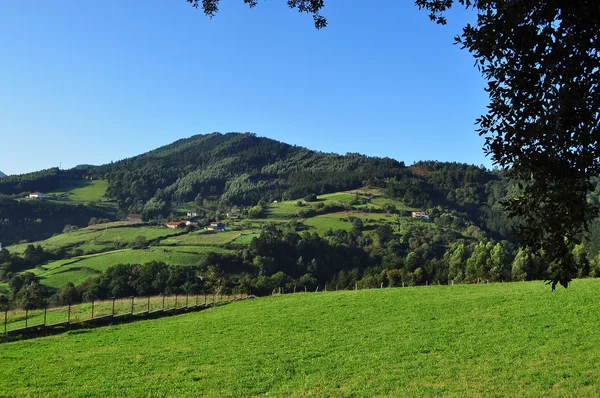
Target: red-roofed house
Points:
x,y
134,217
176,224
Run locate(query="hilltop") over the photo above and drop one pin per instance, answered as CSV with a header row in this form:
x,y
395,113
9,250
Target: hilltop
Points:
x,y
2,174
216,172
491,340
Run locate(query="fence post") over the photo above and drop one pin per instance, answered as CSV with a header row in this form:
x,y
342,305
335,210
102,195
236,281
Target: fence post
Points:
x,y
45,311
26,314
163,302
186,300
325,287
356,286
213,299
5,318
382,285
148,304
304,288
132,303
69,315
294,288
113,307
92,310
317,289
205,299
196,299
175,301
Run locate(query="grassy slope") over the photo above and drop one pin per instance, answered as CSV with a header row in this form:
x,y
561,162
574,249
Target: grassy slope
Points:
x,y
516,339
76,270
99,237
80,191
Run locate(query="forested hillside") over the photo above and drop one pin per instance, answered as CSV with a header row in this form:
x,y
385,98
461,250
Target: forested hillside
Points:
x,y
223,170
220,171
34,220
236,169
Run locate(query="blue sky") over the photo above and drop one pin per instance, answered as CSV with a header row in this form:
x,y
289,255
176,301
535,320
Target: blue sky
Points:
x,y
95,81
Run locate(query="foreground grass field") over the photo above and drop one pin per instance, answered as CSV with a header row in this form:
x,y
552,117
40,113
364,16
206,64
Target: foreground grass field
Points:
x,y
516,339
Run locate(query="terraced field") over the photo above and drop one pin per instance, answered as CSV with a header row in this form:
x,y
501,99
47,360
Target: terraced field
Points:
x,y
100,237
76,270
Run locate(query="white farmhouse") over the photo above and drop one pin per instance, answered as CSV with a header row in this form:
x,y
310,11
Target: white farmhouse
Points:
x,y
36,195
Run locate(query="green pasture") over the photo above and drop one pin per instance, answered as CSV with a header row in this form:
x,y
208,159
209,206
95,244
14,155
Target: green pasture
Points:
x,y
76,270
333,221
96,238
342,197
245,238
285,209
495,340
399,205
203,238
80,190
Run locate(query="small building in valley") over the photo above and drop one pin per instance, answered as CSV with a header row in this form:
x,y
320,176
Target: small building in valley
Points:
x,y
420,214
192,223
134,217
177,224
216,226
36,195
192,214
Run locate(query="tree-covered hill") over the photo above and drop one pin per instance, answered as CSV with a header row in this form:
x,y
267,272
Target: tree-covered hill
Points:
x,y
220,171
236,169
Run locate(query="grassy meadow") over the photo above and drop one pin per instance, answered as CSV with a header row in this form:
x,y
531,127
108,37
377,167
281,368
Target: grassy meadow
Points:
x,y
57,274
495,340
100,237
83,191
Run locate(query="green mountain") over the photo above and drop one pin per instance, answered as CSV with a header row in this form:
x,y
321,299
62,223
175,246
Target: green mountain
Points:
x,y
237,169
216,171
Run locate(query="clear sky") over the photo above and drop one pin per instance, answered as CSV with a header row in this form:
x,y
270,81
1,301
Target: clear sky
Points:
x,y
95,81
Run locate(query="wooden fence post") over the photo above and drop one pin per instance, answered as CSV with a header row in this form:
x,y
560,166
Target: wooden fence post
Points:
x,y
45,313
5,318
26,314
132,303
305,289
148,304
163,302
69,315
113,307
294,288
92,310
176,295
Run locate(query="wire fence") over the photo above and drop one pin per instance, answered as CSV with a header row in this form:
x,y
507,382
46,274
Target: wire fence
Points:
x,y
24,321
17,321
